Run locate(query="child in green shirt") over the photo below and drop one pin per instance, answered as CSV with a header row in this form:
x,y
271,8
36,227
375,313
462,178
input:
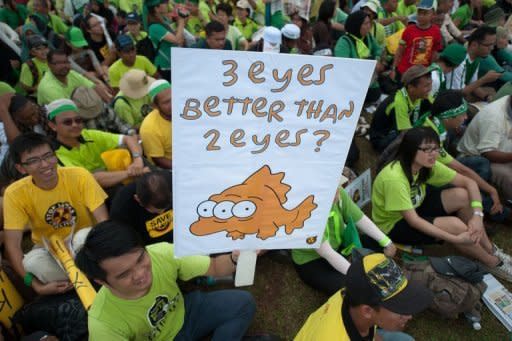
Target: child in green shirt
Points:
x,y
33,70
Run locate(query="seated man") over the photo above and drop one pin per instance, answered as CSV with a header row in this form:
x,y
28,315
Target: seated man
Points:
x,y
215,37
488,135
129,60
83,147
377,293
60,81
400,111
465,77
146,206
51,200
156,129
132,103
140,298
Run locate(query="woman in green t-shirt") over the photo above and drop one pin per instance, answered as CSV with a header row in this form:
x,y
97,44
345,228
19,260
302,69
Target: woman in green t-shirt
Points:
x,y
324,268
412,204
162,35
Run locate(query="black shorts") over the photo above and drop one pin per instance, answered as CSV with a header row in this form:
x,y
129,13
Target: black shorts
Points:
x,y
431,208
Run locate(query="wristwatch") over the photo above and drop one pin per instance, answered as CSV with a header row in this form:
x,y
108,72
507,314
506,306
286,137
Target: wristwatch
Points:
x,y
478,213
136,155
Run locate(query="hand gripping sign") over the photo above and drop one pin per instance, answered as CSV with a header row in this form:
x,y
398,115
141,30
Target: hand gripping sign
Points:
x,y
259,142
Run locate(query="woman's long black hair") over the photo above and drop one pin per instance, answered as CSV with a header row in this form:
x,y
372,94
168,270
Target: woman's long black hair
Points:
x,y
404,149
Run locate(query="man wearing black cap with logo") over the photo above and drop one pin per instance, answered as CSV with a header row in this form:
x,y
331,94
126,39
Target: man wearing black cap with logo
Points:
x,y
377,294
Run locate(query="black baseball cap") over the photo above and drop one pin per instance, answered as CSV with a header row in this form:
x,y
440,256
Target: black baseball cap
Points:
x,y
377,280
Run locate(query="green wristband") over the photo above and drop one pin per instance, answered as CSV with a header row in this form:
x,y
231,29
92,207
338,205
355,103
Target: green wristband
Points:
x,y
27,279
476,204
384,242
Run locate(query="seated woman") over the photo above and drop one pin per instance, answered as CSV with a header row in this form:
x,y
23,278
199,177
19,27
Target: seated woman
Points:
x,y
412,204
324,269
359,43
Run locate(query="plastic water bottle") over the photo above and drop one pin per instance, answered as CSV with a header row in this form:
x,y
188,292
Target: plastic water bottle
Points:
x,y
474,320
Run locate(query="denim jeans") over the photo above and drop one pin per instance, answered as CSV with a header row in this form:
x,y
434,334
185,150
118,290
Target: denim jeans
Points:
x,y
482,167
223,314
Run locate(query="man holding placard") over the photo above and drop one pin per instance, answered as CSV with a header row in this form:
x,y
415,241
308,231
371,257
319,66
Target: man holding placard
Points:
x,y
156,129
140,298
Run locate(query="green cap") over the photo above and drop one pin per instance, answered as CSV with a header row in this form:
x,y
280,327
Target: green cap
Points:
x,y
152,3
60,106
454,53
75,37
157,87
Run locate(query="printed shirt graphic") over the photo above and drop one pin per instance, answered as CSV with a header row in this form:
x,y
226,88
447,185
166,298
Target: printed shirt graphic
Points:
x,y
159,315
160,225
76,195
419,46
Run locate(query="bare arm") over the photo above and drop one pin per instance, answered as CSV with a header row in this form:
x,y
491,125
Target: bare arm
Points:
x,y
100,214
13,250
222,265
414,220
498,157
162,162
109,179
11,130
482,184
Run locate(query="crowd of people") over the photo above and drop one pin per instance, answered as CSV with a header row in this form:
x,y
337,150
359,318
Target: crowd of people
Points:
x,y
86,156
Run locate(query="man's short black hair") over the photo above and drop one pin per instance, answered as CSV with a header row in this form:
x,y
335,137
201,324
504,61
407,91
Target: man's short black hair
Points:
x,y
213,27
480,33
155,189
58,52
226,8
106,240
26,143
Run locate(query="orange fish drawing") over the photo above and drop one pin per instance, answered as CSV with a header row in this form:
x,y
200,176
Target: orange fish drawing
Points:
x,y
254,206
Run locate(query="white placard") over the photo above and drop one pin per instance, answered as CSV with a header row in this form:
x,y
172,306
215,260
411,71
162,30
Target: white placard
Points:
x,y
259,143
360,189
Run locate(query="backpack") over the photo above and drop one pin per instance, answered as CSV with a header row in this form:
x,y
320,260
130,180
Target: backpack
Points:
x,y
452,295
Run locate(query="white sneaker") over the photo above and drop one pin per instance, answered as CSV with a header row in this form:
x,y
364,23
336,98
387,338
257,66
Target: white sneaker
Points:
x,y
504,257
504,271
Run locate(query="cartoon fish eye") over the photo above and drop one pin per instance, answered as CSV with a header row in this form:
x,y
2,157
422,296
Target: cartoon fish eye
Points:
x,y
244,209
205,209
223,210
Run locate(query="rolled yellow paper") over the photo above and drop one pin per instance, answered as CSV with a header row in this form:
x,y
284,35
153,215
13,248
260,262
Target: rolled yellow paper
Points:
x,y
82,285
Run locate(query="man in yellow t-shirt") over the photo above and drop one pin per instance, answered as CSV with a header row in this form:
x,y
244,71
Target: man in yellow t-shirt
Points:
x,y
51,201
377,293
129,60
156,129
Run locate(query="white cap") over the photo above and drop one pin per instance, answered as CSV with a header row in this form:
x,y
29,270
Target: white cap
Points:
x,y
291,31
271,40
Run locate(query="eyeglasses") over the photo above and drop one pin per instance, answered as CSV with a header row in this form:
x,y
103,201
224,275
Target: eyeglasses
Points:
x,y
69,121
37,161
430,150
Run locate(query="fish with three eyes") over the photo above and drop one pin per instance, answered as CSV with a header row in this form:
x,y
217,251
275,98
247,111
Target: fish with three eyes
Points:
x,y
253,207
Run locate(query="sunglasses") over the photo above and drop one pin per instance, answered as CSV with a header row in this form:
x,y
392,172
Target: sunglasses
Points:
x,y
69,121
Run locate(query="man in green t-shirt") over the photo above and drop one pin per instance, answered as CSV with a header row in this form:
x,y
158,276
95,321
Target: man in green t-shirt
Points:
x,y
13,14
60,81
32,70
129,60
85,147
140,298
